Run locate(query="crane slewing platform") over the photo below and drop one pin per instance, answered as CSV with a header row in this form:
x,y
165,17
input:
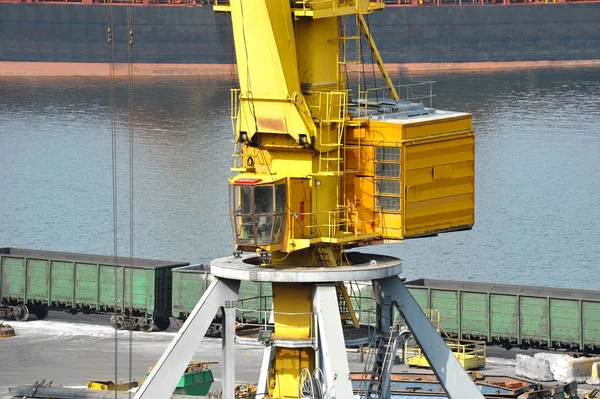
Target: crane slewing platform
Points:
x,y
323,164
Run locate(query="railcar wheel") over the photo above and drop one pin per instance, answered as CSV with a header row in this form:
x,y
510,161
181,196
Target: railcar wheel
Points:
x,y
116,321
162,323
41,313
147,327
21,312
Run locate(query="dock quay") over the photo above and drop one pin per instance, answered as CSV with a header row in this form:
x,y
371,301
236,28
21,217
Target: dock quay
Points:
x,y
63,339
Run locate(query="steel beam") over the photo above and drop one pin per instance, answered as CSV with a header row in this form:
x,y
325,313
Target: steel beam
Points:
x,y
228,348
454,379
334,360
163,379
263,378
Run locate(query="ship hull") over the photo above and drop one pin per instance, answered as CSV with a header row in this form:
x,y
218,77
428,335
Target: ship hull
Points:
x,y
71,39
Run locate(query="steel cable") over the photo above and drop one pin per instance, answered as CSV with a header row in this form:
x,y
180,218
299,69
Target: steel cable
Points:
x,y
130,117
111,55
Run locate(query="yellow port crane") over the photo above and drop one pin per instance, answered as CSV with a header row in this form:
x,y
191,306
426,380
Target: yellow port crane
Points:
x,y
321,167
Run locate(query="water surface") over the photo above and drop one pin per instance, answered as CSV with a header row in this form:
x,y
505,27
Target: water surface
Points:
x,y
537,173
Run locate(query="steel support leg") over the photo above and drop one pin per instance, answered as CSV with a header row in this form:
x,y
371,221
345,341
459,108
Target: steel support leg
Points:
x,y
385,312
163,379
334,360
228,345
454,379
263,379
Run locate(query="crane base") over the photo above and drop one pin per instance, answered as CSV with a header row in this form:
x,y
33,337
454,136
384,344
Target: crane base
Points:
x,y
363,267
328,342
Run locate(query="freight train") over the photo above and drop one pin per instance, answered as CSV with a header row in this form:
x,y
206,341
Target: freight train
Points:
x,y
141,294
33,282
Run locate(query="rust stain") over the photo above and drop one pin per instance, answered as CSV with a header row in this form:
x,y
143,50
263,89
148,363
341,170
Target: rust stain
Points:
x,y
271,124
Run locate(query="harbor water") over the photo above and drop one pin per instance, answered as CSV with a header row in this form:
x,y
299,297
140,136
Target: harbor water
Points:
x,y
537,173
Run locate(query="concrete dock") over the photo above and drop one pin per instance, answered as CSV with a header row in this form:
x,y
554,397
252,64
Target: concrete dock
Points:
x,y
71,350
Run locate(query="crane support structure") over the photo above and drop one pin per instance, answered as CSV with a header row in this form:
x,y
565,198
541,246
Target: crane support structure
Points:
x,y
323,164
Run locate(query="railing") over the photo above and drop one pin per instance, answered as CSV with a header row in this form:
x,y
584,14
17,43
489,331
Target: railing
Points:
x,y
329,106
263,322
306,5
245,313
464,350
413,92
260,316
340,223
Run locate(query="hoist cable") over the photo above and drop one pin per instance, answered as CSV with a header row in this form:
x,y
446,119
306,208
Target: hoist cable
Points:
x,y
111,56
130,111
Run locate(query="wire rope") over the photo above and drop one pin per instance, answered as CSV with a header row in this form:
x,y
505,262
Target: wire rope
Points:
x,y
130,122
111,56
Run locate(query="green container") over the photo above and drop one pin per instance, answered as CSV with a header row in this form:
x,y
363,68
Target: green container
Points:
x,y
513,314
196,383
191,282
82,282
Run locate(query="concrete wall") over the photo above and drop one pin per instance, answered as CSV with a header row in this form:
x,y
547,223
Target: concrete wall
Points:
x,y
78,33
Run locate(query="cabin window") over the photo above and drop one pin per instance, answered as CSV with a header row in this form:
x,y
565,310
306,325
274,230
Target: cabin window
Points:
x,y
387,178
258,213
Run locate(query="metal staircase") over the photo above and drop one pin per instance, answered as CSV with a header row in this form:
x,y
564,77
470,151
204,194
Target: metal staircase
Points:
x,y
345,304
379,383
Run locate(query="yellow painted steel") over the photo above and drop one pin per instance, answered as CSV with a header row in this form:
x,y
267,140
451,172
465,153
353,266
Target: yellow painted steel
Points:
x,y
292,307
289,363
111,386
470,354
314,176
437,171
294,321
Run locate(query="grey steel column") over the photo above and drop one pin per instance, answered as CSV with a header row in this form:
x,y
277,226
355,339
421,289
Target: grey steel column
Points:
x,y
454,379
228,346
334,359
385,312
163,379
263,378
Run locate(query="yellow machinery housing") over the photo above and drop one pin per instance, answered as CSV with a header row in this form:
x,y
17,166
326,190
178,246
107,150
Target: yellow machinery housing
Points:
x,y
317,167
323,164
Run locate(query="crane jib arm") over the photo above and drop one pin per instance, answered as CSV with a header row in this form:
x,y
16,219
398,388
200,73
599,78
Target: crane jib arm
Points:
x,y
270,99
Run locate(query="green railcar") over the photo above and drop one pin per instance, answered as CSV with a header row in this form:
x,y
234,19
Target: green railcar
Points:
x,y
190,283
514,315
137,291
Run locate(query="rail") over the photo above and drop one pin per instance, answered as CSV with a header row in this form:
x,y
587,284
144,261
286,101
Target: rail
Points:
x,y
364,307
269,315
465,351
343,223
413,92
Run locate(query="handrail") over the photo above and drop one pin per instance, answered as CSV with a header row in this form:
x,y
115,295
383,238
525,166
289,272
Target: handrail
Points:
x,y
339,223
366,315
406,92
268,313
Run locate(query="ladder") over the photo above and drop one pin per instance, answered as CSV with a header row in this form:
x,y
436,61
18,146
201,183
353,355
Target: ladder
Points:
x,y
324,255
345,304
379,382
